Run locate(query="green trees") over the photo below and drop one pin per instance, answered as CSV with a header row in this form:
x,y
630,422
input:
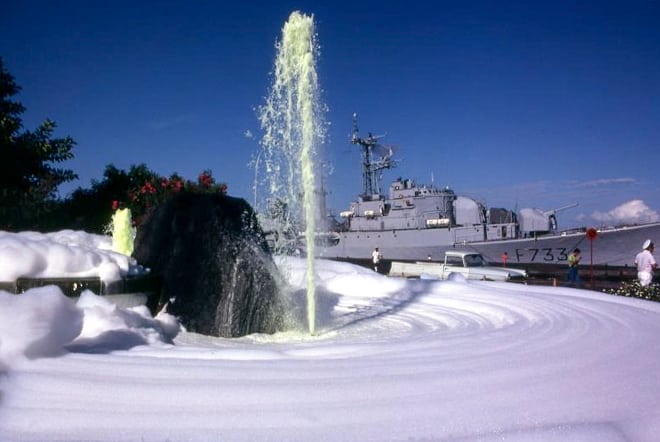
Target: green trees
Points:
x,y
138,189
90,209
29,176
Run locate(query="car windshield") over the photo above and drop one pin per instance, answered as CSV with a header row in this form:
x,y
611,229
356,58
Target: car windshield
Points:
x,y
474,261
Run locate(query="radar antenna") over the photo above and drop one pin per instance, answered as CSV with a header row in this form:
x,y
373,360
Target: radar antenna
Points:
x,y
376,157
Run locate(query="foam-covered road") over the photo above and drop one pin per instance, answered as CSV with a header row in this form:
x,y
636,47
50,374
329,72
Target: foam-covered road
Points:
x,y
393,360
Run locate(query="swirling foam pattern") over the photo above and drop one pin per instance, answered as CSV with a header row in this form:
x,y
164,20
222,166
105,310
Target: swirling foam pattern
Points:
x,y
394,360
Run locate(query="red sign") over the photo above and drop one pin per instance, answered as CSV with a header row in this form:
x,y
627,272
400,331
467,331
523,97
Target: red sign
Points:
x,y
592,233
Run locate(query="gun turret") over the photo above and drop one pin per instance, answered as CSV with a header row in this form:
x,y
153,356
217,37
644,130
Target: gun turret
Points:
x,y
536,221
560,209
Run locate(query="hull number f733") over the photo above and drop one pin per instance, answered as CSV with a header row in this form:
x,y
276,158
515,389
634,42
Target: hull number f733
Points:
x,y
547,254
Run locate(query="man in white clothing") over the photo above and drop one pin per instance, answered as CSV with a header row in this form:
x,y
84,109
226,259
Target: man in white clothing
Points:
x,y
376,256
645,263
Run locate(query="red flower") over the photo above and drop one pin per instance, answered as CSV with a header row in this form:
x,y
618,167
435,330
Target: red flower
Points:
x,y
148,188
205,179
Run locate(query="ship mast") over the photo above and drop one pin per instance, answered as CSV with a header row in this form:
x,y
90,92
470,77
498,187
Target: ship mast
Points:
x,y
375,158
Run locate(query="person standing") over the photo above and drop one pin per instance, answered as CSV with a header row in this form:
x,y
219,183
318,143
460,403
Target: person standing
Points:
x,y
505,258
376,256
645,263
573,277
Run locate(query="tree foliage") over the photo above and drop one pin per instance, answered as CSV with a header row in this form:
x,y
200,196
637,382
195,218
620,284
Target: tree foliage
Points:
x,y
29,172
90,209
139,189
30,176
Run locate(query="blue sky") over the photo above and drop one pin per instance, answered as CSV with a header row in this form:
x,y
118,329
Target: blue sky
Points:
x,y
518,104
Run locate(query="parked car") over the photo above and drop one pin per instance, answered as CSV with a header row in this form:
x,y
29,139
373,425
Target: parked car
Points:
x,y
469,264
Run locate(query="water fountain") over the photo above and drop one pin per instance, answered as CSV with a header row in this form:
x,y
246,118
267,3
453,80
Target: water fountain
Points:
x,y
123,231
292,119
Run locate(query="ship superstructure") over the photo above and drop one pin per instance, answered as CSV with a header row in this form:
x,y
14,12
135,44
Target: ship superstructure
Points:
x,y
413,222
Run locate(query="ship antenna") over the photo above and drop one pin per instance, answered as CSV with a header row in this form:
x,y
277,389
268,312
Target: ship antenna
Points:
x,y
371,168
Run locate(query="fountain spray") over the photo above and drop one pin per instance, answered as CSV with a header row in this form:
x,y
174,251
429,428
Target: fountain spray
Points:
x,y
294,128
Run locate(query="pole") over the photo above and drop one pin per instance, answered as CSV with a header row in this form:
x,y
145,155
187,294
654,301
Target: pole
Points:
x,y
591,264
592,234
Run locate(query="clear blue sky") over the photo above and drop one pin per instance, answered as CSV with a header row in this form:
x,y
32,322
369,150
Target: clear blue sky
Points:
x,y
519,104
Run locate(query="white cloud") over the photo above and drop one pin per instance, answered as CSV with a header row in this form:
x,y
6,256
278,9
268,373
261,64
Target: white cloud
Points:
x,y
631,212
605,182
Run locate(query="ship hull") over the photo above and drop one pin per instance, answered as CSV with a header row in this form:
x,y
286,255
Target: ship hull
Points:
x,y
614,247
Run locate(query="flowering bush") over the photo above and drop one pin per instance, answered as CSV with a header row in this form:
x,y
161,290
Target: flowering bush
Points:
x,y
635,290
157,189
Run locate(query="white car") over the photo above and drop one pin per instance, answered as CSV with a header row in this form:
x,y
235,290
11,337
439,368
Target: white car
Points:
x,y
470,265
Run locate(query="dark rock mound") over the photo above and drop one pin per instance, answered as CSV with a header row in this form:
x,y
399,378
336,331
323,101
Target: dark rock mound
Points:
x,y
214,264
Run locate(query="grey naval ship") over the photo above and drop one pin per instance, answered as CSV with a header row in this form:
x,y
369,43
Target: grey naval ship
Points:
x,y
420,222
